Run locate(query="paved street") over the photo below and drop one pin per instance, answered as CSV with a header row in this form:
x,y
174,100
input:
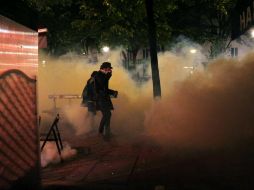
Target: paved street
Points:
x,y
140,164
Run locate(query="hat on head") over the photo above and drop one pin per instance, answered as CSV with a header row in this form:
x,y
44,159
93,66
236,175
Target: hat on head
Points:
x,y
106,65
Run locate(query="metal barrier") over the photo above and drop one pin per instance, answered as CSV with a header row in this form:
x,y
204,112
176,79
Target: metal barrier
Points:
x,y
53,135
19,137
69,97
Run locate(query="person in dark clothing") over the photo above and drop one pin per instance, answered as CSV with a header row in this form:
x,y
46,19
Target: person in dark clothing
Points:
x,y
103,97
91,102
89,99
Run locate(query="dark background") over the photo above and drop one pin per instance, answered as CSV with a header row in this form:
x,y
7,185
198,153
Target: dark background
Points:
x,y
20,12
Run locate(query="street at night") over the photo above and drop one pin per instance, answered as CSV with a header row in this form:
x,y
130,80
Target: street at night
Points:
x,y
127,95
143,165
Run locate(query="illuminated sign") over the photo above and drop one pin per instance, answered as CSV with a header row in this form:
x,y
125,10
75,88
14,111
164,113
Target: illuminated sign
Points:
x,y
243,18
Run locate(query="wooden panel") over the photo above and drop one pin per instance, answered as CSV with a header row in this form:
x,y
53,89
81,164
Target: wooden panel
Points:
x,y
18,47
19,142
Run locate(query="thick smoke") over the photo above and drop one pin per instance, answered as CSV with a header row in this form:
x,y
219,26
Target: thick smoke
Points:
x,y
210,108
199,107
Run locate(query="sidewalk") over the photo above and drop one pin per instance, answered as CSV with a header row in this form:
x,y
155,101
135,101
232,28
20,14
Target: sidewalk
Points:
x,y
142,165
108,164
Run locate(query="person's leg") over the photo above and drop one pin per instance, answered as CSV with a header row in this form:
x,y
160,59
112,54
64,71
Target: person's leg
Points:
x,y
107,124
90,121
102,123
91,114
105,121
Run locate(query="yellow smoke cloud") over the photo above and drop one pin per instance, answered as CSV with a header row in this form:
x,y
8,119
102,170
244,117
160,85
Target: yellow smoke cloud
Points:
x,y
210,107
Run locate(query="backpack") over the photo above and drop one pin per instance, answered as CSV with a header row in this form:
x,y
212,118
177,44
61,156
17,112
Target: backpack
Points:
x,y
89,91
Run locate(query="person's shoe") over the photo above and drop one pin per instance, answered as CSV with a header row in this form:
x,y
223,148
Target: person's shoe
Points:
x,y
106,138
111,135
100,134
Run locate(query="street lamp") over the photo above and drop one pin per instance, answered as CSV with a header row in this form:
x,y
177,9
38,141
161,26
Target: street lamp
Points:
x,y
43,63
105,49
193,51
252,33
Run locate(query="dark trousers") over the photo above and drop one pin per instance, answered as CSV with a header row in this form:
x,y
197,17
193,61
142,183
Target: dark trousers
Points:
x,y
105,121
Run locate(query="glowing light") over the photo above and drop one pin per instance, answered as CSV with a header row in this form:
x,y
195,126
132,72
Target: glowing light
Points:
x,y
29,47
17,32
42,30
191,69
43,62
193,51
19,65
16,53
105,49
252,33
18,46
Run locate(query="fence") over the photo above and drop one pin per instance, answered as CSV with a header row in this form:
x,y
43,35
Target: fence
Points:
x,y
19,144
19,153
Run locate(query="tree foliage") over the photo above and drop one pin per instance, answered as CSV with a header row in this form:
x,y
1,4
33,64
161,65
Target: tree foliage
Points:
x,y
204,20
85,24
98,22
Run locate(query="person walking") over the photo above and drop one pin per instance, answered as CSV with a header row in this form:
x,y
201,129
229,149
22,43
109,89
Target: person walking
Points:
x,y
103,96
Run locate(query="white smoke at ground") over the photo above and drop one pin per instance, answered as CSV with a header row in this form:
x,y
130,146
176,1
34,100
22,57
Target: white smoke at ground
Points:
x,y
79,117
50,154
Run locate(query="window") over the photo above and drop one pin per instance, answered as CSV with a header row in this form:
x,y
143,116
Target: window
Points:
x,y
234,52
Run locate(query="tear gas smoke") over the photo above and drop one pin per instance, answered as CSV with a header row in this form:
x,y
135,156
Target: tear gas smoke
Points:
x,y
50,155
211,107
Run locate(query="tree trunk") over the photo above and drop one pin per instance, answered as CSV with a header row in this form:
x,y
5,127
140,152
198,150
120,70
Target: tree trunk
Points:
x,y
134,55
153,50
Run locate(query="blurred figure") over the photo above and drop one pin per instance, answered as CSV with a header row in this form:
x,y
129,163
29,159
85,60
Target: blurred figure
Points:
x,y
89,99
97,96
103,100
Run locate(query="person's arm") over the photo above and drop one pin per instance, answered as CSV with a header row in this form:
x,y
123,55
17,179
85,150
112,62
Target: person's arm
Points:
x,y
113,93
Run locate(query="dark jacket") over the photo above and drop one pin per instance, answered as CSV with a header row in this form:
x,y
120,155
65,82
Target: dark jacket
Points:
x,y
89,94
103,93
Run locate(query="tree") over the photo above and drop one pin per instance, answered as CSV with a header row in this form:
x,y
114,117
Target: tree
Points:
x,y
57,16
153,49
204,20
128,25
93,23
123,23
85,24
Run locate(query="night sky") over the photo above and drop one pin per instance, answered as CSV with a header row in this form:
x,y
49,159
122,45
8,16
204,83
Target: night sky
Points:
x,y
20,12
